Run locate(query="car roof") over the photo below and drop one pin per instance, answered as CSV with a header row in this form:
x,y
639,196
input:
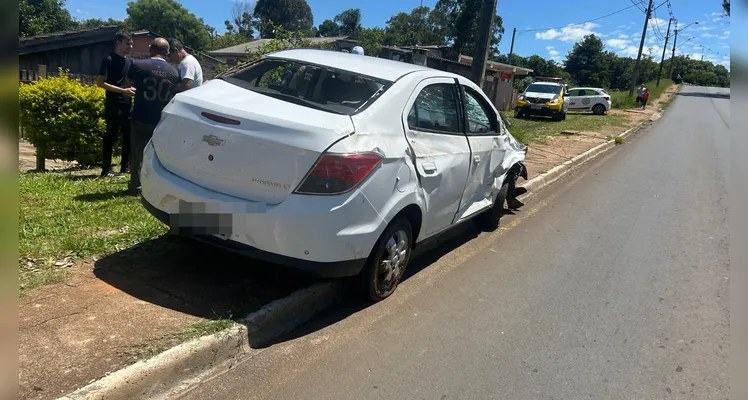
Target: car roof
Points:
x,y
585,87
365,65
546,83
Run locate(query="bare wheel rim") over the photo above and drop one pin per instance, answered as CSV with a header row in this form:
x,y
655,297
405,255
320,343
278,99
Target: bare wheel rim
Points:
x,y
392,263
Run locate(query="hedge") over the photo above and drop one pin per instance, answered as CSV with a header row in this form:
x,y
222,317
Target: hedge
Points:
x,y
64,119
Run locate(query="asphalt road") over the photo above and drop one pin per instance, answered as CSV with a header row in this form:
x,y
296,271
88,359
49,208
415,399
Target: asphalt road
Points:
x,y
611,285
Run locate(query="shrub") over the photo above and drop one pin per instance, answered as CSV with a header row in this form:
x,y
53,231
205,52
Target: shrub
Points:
x,y
64,119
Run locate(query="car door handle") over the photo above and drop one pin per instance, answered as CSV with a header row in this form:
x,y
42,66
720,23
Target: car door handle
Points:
x,y
476,158
429,168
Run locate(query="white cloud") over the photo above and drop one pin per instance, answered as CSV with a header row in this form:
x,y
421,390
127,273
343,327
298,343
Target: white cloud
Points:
x,y
725,36
568,33
707,28
622,26
617,43
629,51
657,22
555,55
708,35
717,19
623,36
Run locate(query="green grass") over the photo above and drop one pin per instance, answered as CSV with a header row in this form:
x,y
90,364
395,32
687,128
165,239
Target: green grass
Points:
x,y
537,130
65,217
206,328
621,99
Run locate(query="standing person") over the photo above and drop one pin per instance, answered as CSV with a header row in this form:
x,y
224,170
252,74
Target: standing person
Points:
x,y
190,70
640,93
645,97
155,83
113,78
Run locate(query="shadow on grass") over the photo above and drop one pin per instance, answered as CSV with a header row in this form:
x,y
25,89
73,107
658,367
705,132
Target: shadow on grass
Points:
x,y
704,94
197,279
102,195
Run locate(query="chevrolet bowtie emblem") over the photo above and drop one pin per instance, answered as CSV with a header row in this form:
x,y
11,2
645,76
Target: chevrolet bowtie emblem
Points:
x,y
213,140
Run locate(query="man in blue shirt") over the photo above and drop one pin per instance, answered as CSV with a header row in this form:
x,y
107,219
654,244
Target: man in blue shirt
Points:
x,y
155,81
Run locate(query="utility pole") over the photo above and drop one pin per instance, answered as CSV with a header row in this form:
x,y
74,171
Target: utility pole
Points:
x,y
672,58
662,61
511,48
641,47
488,10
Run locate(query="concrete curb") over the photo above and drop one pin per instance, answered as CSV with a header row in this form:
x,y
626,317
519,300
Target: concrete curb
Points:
x,y
182,366
542,181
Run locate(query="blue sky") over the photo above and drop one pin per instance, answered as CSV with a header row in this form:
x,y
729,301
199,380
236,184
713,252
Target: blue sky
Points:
x,y
621,32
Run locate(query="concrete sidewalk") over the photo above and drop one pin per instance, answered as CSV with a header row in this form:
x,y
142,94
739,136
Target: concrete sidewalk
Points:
x,y
132,305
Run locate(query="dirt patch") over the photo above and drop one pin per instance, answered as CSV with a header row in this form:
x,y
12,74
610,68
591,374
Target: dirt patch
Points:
x,y
27,159
122,308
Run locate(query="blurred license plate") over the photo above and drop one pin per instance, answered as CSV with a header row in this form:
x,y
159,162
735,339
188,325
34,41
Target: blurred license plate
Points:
x,y
534,107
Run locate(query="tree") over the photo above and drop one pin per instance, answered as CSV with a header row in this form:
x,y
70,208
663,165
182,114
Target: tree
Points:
x,y
726,6
586,63
243,21
371,39
168,18
291,15
328,28
418,27
461,19
37,17
93,23
349,22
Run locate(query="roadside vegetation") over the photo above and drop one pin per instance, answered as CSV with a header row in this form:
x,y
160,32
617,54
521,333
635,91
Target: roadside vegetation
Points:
x,y
67,216
621,99
539,129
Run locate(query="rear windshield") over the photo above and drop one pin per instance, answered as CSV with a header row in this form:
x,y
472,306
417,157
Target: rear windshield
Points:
x,y
314,86
535,88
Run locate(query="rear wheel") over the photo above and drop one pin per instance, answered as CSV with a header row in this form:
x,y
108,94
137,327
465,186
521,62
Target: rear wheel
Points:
x,y
386,264
491,218
598,109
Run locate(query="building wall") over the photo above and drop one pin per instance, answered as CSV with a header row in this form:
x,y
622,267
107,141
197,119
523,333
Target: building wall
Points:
x,y
141,43
84,60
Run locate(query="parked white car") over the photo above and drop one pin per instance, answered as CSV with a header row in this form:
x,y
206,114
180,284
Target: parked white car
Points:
x,y
333,163
596,100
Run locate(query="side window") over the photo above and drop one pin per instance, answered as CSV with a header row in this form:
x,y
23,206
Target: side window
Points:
x,y
582,93
480,117
573,93
435,109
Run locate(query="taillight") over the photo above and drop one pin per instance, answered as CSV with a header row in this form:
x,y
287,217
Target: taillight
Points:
x,y
338,173
606,97
219,119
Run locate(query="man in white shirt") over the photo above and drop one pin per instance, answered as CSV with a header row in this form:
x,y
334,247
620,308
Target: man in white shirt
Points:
x,y
189,68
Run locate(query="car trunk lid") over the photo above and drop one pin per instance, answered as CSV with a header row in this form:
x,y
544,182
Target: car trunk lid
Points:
x,y
238,142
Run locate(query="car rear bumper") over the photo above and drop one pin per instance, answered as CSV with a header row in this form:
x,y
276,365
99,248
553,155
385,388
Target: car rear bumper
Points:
x,y
329,236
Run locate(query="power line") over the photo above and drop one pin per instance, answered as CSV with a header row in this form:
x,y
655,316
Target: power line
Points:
x,y
580,23
638,5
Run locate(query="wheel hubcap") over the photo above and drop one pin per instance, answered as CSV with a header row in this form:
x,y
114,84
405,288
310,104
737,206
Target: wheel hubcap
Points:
x,y
394,259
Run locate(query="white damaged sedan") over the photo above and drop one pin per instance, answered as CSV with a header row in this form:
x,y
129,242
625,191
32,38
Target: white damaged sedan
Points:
x,y
333,163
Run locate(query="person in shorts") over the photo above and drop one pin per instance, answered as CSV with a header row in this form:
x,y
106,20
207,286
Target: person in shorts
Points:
x,y
155,82
118,103
645,97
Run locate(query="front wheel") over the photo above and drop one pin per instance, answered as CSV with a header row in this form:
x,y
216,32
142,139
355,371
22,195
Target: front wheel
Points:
x,y
386,264
598,109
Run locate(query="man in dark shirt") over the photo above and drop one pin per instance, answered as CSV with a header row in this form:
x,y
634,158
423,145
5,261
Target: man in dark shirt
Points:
x,y
155,81
112,77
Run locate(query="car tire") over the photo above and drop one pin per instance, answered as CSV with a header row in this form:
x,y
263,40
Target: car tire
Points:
x,y
490,219
557,116
386,264
598,109
519,115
